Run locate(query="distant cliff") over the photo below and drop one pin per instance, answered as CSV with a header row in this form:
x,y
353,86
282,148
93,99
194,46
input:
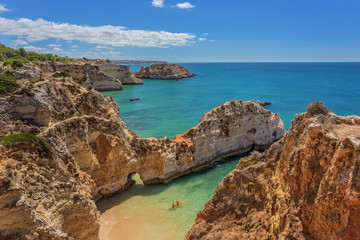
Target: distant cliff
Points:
x,y
305,186
163,71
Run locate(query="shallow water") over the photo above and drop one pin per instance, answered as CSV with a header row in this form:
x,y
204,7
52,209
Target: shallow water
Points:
x,y
142,211
169,107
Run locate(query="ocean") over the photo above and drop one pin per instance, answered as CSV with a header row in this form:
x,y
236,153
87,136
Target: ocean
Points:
x,y
169,107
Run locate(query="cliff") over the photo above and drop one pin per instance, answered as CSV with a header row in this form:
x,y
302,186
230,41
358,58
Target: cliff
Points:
x,y
163,71
64,146
305,186
83,72
121,72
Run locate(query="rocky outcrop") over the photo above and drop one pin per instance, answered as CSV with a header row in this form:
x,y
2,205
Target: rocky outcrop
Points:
x,y
305,186
83,73
163,71
121,72
49,193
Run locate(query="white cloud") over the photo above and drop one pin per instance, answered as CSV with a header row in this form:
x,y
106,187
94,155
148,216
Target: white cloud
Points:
x,y
4,9
205,34
185,5
57,49
158,3
54,45
103,47
74,46
117,36
19,42
36,49
202,39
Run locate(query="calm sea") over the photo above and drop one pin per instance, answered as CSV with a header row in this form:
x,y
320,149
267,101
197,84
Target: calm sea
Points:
x,y
169,107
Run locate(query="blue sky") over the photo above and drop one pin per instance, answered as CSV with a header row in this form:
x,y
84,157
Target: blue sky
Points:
x,y
186,30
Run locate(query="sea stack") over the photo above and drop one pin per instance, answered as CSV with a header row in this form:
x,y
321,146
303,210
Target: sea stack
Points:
x,y
305,186
166,71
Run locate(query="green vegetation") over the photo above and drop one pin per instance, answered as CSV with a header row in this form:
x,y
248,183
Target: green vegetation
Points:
x,y
10,53
23,137
84,78
56,74
61,74
15,62
7,82
86,64
97,67
26,91
64,74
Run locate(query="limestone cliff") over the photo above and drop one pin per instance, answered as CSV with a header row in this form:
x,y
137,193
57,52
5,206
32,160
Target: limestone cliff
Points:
x,y
163,71
66,146
305,186
121,72
83,72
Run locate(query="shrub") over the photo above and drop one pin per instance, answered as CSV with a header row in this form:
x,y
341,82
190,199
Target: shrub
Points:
x,y
85,58
86,64
15,62
26,91
84,78
56,74
24,137
64,74
97,67
7,82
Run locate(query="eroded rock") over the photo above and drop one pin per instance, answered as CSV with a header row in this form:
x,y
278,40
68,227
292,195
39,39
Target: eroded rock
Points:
x,y
163,71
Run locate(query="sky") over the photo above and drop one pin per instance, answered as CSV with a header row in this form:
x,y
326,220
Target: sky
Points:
x,y
186,30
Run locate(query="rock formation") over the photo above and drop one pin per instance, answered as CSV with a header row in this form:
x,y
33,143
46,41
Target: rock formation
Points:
x,y
305,186
121,72
66,146
83,73
163,71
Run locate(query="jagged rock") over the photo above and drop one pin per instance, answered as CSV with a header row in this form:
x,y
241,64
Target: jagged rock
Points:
x,y
265,103
163,71
121,72
51,194
305,186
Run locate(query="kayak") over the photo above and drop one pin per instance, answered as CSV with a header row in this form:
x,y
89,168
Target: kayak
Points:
x,y
180,203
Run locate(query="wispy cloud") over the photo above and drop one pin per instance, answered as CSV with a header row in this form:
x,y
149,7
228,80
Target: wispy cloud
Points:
x,y
18,42
103,47
74,46
202,39
185,5
54,45
57,49
36,49
117,36
4,9
158,3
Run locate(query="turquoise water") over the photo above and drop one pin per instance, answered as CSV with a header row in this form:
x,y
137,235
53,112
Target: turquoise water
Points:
x,y
142,211
169,107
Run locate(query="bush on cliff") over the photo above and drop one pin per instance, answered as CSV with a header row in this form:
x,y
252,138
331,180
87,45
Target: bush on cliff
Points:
x,y
61,74
7,82
15,62
10,53
26,91
26,137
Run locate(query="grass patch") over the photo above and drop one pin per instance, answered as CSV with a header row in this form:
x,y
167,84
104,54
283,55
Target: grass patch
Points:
x,y
24,137
61,74
26,91
15,62
7,82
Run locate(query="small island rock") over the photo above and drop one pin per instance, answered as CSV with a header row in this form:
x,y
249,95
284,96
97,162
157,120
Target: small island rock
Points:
x,y
163,71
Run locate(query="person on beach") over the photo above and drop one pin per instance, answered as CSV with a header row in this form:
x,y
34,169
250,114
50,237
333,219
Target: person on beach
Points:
x,y
173,205
177,203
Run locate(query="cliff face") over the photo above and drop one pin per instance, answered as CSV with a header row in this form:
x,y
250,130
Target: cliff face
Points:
x,y
121,72
163,71
49,192
83,73
305,186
